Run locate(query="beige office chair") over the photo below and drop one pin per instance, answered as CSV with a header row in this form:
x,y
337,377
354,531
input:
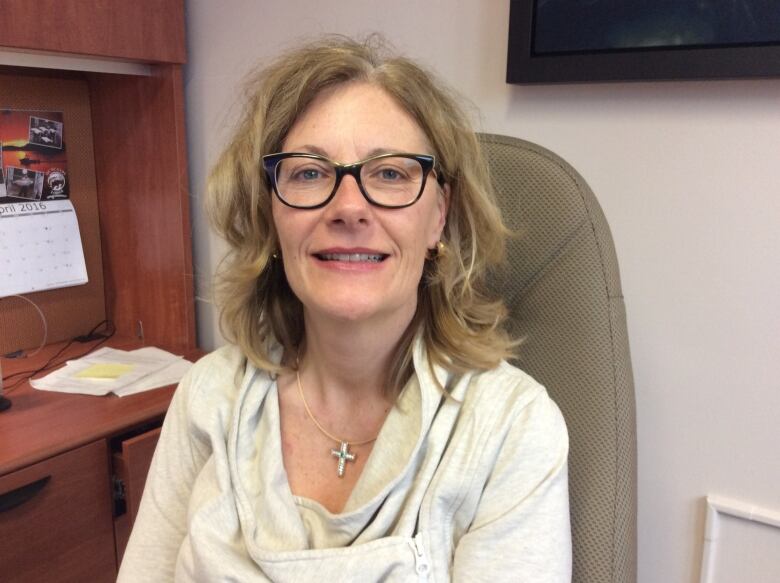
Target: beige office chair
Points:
x,y
562,288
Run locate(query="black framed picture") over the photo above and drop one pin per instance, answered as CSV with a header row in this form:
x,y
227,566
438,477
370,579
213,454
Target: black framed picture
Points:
x,y
558,41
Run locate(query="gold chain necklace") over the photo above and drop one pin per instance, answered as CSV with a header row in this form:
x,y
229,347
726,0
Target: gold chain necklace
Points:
x,y
342,453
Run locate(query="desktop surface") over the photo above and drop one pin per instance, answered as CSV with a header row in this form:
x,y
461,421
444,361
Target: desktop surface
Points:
x,y
40,424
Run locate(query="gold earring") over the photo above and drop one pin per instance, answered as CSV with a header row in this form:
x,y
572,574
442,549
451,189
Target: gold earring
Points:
x,y
437,251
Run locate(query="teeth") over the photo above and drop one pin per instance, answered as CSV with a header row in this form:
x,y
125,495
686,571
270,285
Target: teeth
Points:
x,y
352,257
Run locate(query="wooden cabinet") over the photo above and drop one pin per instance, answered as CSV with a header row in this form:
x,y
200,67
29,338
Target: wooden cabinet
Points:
x,y
55,519
72,467
72,470
143,199
135,138
141,30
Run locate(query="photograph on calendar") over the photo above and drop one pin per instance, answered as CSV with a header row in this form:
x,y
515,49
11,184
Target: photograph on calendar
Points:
x,y
23,183
45,132
33,156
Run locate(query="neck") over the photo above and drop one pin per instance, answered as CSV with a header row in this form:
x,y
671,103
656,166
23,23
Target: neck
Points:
x,y
350,359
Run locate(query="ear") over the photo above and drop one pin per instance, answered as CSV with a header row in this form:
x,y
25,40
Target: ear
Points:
x,y
442,206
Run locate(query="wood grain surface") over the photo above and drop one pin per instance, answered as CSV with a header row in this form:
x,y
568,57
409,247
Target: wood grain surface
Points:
x,y
41,424
138,30
69,311
141,167
64,532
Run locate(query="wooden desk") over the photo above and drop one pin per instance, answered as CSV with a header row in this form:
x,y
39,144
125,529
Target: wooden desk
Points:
x,y
72,468
70,454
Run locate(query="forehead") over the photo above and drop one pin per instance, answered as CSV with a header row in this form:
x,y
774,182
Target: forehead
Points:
x,y
356,120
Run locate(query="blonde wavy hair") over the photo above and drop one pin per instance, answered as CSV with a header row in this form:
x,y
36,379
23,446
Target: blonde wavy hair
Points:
x,y
461,325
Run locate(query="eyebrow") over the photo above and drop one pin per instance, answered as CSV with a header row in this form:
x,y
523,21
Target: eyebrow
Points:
x,y
308,149
311,149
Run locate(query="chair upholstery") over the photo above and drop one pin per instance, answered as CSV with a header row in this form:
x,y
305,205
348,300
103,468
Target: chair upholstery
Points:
x,y
562,288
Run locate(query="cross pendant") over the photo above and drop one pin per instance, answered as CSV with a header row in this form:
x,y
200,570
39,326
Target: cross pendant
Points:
x,y
344,456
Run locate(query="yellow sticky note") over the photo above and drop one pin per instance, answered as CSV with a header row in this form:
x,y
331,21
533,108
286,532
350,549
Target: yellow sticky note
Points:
x,y
104,371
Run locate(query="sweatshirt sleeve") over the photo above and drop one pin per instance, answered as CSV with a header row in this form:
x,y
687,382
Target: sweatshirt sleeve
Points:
x,y
161,523
521,531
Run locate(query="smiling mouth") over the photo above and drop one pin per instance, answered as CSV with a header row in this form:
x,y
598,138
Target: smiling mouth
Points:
x,y
352,257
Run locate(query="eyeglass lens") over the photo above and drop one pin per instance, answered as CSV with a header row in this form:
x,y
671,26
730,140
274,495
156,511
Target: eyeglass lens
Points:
x,y
390,181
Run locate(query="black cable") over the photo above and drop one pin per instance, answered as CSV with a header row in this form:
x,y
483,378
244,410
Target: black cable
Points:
x,y
33,372
51,362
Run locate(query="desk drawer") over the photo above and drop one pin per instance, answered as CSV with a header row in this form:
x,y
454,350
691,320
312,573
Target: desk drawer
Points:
x,y
55,520
131,465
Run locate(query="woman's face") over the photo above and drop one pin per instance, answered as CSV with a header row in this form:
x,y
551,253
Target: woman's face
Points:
x,y
346,124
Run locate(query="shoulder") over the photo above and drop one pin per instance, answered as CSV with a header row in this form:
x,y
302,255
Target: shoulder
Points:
x,y
524,438
512,402
213,382
226,360
498,409
506,381
504,386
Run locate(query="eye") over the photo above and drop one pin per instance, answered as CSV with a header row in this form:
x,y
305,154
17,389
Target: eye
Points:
x,y
308,174
389,174
303,171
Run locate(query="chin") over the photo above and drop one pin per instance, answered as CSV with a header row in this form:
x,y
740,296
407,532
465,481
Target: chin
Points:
x,y
351,312
359,310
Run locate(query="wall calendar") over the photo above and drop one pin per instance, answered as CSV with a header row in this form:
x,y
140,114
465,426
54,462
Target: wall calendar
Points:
x,y
40,243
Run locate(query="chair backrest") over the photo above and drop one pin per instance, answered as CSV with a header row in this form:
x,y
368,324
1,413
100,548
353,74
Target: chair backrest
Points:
x,y
562,288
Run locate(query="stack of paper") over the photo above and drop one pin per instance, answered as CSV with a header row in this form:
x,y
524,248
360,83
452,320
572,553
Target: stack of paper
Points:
x,y
121,372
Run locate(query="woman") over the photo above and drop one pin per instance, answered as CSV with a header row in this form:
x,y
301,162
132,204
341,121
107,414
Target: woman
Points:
x,y
362,425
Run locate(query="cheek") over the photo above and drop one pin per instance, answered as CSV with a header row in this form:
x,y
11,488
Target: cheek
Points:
x,y
421,233
287,229
277,222
434,225
291,254
292,228
416,252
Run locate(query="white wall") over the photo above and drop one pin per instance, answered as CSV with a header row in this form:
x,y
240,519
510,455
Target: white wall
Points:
x,y
687,174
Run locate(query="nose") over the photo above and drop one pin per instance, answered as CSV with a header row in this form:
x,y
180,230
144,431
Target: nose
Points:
x,y
348,206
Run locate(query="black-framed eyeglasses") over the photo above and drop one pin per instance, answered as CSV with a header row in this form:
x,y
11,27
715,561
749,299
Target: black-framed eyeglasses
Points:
x,y
309,181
